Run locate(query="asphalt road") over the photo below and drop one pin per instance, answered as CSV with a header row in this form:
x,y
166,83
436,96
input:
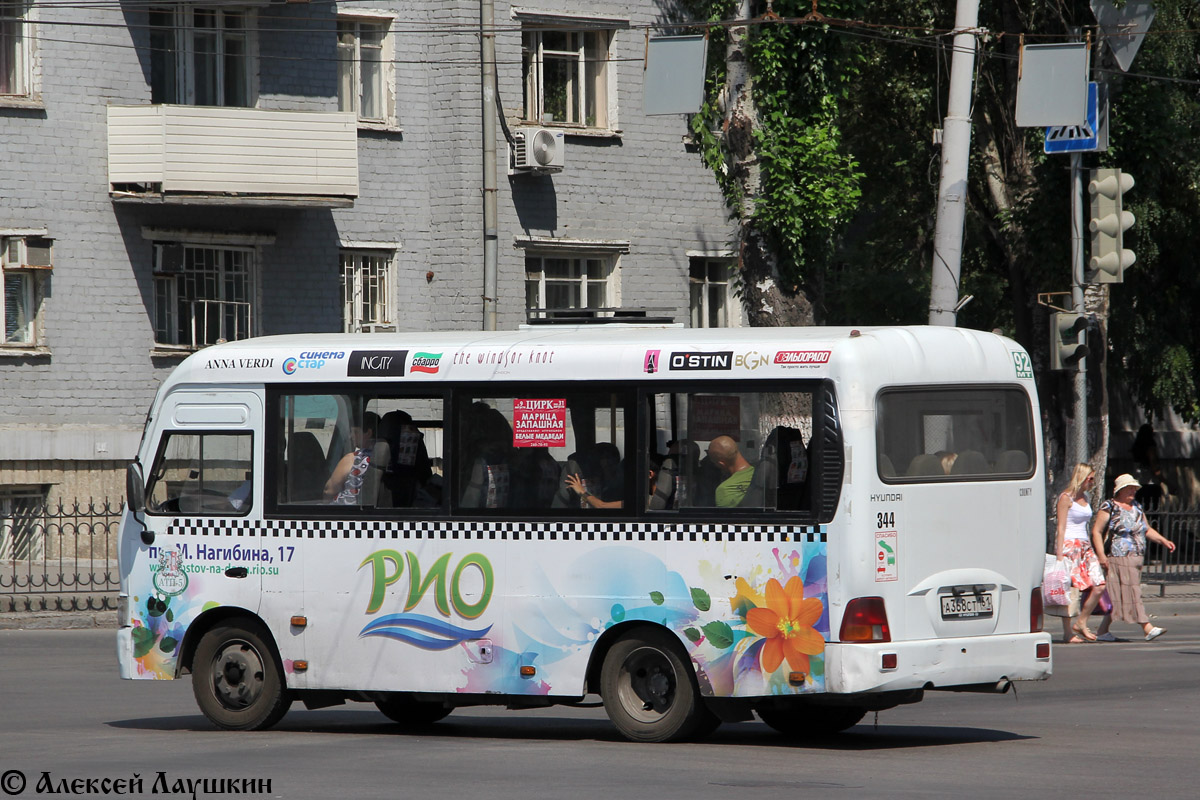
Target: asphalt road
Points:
x,y
1116,720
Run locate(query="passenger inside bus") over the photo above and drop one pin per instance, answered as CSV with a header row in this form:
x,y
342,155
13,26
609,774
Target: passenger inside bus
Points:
x,y
407,470
725,453
598,475
589,500
346,483
484,468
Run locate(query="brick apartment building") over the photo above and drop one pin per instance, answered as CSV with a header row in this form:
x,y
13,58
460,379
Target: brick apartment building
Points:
x,y
178,173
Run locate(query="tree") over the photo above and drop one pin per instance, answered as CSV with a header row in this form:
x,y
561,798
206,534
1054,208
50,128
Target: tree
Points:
x,y
820,135
770,131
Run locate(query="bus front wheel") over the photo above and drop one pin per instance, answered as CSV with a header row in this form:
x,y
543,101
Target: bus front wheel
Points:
x,y
649,690
236,678
798,722
411,713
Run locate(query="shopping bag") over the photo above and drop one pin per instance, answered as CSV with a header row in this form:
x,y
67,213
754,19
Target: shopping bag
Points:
x,y
1056,582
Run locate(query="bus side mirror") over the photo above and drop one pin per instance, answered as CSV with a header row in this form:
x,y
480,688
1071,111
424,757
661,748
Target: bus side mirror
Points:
x,y
135,497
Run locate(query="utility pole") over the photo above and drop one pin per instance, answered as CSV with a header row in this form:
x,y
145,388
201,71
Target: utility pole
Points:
x,y
956,153
1079,438
491,222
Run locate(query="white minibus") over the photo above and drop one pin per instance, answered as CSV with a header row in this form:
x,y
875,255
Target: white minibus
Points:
x,y
697,525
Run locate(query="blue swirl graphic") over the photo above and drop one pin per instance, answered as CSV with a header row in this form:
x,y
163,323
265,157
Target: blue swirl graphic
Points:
x,y
404,627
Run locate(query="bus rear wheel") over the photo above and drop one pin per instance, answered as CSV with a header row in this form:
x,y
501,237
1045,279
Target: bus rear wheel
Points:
x,y
803,721
411,713
649,690
236,678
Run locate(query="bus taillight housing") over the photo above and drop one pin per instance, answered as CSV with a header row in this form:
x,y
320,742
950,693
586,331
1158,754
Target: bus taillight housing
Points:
x,y
1035,611
865,620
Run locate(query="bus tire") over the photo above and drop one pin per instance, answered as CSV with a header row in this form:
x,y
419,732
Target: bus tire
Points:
x,y
803,721
649,690
236,678
411,713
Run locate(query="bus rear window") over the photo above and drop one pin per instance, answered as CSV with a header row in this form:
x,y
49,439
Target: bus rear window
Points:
x,y
941,433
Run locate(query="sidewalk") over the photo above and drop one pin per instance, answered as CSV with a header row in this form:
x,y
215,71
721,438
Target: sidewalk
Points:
x,y
1171,599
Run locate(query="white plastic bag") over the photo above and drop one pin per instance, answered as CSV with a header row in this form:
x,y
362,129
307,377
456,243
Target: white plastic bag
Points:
x,y
1056,582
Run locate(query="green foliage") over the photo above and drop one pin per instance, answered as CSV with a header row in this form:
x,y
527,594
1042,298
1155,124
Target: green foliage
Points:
x,y
849,173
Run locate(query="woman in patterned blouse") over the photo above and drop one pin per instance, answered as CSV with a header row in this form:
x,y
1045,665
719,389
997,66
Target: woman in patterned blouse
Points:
x,y
1119,534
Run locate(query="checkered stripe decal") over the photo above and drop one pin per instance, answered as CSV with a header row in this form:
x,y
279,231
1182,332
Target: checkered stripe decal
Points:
x,y
499,530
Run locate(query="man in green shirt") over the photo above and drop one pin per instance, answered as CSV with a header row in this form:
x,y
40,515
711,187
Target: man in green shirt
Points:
x,y
724,451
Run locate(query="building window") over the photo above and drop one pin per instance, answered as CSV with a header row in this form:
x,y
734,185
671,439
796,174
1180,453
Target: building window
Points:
x,y
713,302
14,49
203,294
559,281
22,530
363,75
201,56
367,291
566,76
25,261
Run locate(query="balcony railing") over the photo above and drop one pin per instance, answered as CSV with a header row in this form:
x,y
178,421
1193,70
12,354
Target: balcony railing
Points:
x,y
206,154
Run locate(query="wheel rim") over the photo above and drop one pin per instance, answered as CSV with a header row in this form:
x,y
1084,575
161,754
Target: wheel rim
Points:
x,y
238,675
647,684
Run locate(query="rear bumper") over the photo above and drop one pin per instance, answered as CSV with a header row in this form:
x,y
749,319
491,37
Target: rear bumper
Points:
x,y
125,652
936,663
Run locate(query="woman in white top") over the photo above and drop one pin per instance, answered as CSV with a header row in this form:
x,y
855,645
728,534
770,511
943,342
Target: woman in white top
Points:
x,y
1073,543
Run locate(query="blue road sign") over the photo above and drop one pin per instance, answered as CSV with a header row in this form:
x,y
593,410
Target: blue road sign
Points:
x,y
1078,138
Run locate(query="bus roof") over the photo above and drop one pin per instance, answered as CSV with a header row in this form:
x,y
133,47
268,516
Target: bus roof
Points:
x,y
614,352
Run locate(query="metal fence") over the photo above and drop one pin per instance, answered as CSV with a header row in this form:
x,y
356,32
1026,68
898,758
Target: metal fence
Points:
x,y
1181,526
60,557
64,557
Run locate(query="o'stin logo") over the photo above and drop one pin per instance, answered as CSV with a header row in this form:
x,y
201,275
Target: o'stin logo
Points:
x,y
289,366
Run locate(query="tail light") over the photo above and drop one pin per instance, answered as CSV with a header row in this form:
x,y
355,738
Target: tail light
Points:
x,y
865,620
1035,611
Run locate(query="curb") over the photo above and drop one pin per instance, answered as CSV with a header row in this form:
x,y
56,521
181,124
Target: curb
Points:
x,y
57,620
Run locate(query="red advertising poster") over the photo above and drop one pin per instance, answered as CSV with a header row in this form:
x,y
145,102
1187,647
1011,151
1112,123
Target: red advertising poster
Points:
x,y
710,416
539,423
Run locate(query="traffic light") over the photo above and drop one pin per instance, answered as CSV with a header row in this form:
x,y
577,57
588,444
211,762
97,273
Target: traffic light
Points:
x,y
1108,225
1065,349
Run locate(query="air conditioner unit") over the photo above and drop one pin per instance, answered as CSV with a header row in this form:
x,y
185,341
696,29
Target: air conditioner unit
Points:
x,y
538,150
377,327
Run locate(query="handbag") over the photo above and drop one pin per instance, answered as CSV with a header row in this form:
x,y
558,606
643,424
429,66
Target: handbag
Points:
x,y
1056,582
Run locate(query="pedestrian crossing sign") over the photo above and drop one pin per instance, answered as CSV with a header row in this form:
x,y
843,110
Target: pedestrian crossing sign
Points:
x,y
1078,138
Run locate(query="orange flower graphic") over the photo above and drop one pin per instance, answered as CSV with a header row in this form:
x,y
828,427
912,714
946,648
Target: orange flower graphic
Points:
x,y
787,625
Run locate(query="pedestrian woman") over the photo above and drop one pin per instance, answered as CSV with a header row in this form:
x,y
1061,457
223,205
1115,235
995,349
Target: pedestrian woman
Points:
x,y
1072,543
1119,535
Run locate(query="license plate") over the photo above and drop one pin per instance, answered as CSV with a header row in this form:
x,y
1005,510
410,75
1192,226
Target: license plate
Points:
x,y
966,606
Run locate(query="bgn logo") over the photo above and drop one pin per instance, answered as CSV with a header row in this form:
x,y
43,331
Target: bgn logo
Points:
x,y
701,361
376,363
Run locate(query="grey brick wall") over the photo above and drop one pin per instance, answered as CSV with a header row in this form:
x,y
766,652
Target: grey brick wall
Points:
x,y
419,187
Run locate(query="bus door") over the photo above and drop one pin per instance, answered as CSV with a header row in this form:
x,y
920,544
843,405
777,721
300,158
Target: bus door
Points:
x,y
359,486
202,506
953,510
